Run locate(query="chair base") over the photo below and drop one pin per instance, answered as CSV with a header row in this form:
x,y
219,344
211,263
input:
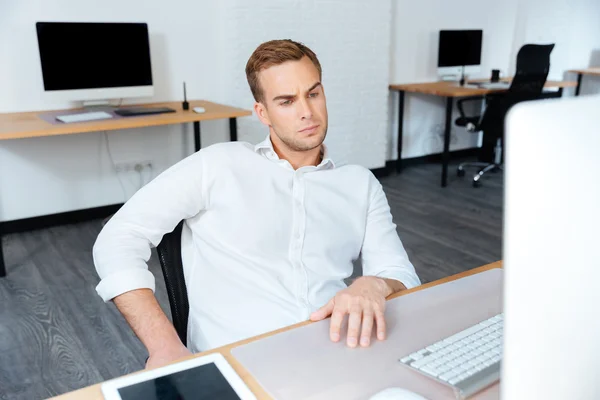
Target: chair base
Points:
x,y
483,169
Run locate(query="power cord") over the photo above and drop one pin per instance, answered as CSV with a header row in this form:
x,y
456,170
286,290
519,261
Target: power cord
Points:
x,y
112,160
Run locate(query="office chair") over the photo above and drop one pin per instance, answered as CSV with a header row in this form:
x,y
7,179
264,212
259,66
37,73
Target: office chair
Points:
x,y
533,65
169,254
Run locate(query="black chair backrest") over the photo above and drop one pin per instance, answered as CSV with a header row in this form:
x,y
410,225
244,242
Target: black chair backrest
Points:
x,y
169,254
533,65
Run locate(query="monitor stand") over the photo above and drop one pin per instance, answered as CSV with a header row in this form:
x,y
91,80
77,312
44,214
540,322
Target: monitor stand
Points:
x,y
96,103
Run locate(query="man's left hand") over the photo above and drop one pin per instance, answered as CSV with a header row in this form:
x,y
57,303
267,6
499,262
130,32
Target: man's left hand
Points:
x,y
364,302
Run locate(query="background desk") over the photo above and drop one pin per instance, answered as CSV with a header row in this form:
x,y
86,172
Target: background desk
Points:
x,y
581,72
94,393
449,90
30,125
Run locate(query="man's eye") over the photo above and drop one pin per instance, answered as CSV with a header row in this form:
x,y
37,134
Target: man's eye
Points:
x,y
314,94
286,103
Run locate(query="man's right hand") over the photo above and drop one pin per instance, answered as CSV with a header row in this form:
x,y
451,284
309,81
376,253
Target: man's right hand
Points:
x,y
166,355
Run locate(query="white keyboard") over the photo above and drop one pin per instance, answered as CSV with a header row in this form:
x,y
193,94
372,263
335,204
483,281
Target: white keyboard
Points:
x,y
82,117
468,361
494,85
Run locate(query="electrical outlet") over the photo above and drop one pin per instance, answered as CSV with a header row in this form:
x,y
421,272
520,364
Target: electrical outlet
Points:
x,y
133,166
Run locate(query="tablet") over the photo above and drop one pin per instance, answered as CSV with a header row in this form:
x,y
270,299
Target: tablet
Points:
x,y
206,377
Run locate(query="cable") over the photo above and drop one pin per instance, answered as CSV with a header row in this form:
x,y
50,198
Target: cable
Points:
x,y
112,160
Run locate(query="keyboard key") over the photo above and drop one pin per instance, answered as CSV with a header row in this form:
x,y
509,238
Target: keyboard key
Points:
x,y
405,359
448,375
430,371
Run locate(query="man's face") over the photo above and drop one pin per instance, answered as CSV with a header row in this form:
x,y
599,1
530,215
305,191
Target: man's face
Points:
x,y
293,104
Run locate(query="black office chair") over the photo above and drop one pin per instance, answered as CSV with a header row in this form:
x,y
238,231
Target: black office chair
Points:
x,y
169,254
533,65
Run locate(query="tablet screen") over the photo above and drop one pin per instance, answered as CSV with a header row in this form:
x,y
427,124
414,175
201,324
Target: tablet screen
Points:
x,y
198,383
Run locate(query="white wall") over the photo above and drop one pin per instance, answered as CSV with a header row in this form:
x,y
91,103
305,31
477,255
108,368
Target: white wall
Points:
x,y
571,24
362,47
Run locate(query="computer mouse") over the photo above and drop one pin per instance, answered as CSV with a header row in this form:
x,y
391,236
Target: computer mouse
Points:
x,y
199,110
396,393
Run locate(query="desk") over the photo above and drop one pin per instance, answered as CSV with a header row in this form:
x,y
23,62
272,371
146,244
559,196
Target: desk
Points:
x,y
595,71
449,90
30,125
93,392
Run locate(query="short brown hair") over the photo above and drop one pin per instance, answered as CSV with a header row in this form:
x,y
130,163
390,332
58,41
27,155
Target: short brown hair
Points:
x,y
272,53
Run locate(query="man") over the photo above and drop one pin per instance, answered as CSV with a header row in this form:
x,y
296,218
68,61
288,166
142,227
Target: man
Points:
x,y
271,231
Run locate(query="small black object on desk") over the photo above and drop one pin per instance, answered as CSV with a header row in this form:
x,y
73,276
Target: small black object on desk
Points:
x,y
185,105
134,111
495,75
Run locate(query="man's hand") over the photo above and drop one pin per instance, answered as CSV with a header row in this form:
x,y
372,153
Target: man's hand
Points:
x,y
165,355
364,302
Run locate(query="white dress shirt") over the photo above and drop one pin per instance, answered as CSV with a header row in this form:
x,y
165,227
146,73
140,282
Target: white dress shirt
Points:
x,y
263,245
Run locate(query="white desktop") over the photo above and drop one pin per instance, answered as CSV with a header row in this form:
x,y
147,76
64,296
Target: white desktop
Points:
x,y
113,63
459,51
551,257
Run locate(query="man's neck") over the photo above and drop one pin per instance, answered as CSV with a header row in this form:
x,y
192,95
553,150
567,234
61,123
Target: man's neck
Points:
x,y
298,159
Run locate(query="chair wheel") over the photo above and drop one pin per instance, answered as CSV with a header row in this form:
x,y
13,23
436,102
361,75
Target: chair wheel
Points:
x,y
460,172
476,184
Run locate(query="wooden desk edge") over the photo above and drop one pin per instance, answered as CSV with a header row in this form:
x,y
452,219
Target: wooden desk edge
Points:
x,y
42,128
586,71
451,91
93,392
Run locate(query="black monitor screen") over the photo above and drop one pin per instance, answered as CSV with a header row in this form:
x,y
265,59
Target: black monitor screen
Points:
x,y
94,55
459,48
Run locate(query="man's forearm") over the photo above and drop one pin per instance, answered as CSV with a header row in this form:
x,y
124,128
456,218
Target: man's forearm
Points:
x,y
148,321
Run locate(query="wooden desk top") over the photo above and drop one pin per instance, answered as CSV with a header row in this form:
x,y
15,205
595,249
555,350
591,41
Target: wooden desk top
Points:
x,y
29,124
452,89
93,392
587,71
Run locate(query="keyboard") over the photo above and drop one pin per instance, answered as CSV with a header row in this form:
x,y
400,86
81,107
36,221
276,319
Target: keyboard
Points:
x,y
468,361
494,85
82,117
134,111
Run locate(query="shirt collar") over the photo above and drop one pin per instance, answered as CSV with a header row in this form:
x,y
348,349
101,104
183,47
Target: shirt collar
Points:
x,y
265,148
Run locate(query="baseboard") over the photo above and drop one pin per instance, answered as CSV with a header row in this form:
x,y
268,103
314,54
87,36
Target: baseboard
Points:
x,y
390,166
46,221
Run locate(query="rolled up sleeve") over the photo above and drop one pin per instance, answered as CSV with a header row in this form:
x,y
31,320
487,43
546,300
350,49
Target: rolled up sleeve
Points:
x,y
383,254
123,247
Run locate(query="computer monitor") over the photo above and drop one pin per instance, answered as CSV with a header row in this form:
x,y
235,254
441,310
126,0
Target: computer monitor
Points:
x,y
84,61
551,258
458,49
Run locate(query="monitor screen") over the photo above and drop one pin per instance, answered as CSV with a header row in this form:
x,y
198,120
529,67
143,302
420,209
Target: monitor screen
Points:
x,y
458,48
78,55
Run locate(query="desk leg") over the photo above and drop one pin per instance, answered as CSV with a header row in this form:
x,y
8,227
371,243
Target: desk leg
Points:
x,y
560,92
400,129
197,142
578,88
233,129
446,153
2,266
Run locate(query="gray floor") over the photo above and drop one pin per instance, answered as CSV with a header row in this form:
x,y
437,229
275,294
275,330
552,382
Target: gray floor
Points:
x,y
56,334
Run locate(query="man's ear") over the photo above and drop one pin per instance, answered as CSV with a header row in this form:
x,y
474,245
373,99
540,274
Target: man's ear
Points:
x,y
262,113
